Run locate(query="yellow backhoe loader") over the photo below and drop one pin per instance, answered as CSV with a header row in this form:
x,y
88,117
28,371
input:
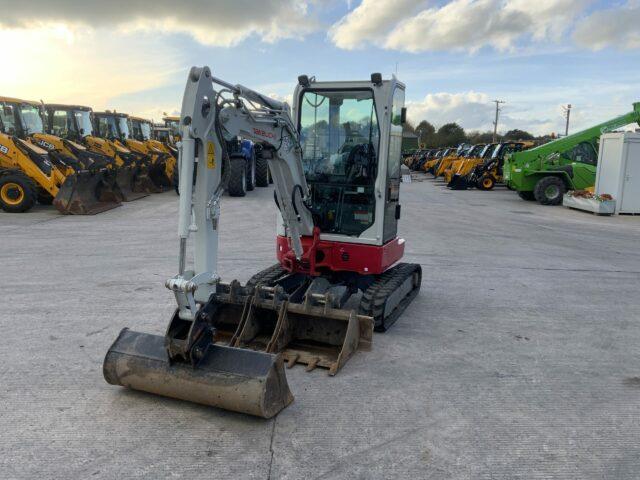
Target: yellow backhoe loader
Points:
x,y
433,160
486,173
173,124
470,155
75,123
460,174
162,156
164,135
116,127
63,176
446,161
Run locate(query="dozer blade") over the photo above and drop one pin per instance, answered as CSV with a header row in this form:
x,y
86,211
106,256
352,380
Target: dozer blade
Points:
x,y
132,185
229,378
87,193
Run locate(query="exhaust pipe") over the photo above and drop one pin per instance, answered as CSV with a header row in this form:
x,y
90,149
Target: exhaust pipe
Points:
x,y
233,379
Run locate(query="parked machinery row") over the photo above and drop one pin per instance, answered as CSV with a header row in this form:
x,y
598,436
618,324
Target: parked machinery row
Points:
x,y
479,166
82,162
85,162
544,173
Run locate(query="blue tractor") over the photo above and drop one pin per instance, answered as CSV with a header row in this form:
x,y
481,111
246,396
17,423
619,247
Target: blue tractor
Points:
x,y
248,168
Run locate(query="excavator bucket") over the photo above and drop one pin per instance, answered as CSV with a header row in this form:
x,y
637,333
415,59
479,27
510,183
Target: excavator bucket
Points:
x,y
233,355
229,378
133,183
88,193
310,333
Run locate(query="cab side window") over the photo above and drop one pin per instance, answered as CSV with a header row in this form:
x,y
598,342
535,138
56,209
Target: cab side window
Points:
x,y
8,119
59,125
583,153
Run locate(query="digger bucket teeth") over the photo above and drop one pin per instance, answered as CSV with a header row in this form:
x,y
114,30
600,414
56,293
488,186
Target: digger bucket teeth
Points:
x,y
233,379
87,193
313,335
132,185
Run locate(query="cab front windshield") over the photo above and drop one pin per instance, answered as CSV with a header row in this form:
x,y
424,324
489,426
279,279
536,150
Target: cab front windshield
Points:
x,y
123,127
485,150
339,137
172,125
83,122
31,119
141,130
146,130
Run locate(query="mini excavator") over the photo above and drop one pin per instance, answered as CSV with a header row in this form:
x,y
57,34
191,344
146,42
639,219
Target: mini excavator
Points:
x,y
335,163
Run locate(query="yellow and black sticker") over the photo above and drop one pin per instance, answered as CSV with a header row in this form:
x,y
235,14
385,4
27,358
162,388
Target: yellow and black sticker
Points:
x,y
211,155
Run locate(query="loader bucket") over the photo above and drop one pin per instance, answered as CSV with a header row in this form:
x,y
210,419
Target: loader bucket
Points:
x,y
158,173
313,335
131,185
458,182
229,378
87,193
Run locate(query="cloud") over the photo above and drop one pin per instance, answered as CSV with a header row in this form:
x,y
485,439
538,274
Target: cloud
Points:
x,y
210,22
614,27
57,64
463,25
472,110
369,22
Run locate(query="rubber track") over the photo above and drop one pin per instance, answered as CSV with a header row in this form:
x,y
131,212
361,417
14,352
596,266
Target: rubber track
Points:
x,y
375,297
267,276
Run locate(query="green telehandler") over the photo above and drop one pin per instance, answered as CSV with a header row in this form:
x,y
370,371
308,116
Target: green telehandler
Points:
x,y
546,172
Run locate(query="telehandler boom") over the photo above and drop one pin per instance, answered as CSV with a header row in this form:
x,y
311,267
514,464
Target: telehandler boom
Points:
x,y
336,169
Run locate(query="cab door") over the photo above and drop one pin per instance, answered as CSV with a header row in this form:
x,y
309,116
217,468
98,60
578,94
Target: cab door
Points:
x,y
392,194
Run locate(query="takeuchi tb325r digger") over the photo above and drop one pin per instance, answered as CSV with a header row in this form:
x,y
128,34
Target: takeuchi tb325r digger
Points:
x,y
335,163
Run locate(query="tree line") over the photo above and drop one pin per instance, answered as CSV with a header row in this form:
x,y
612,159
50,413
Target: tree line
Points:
x,y
452,134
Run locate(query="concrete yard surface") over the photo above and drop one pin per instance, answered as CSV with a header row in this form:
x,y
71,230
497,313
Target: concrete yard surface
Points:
x,y
519,359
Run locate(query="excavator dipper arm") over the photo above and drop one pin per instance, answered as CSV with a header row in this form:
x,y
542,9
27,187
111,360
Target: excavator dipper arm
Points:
x,y
188,362
209,118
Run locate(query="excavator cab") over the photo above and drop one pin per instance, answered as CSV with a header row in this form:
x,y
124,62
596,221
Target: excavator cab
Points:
x,y
335,161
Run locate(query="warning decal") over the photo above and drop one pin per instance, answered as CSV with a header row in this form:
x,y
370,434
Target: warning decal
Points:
x,y
211,155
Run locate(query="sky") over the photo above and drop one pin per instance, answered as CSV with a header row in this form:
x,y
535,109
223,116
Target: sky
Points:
x,y
455,57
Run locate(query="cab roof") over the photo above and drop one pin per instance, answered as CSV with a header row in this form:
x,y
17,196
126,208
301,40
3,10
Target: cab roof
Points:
x,y
140,119
110,114
61,106
18,100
